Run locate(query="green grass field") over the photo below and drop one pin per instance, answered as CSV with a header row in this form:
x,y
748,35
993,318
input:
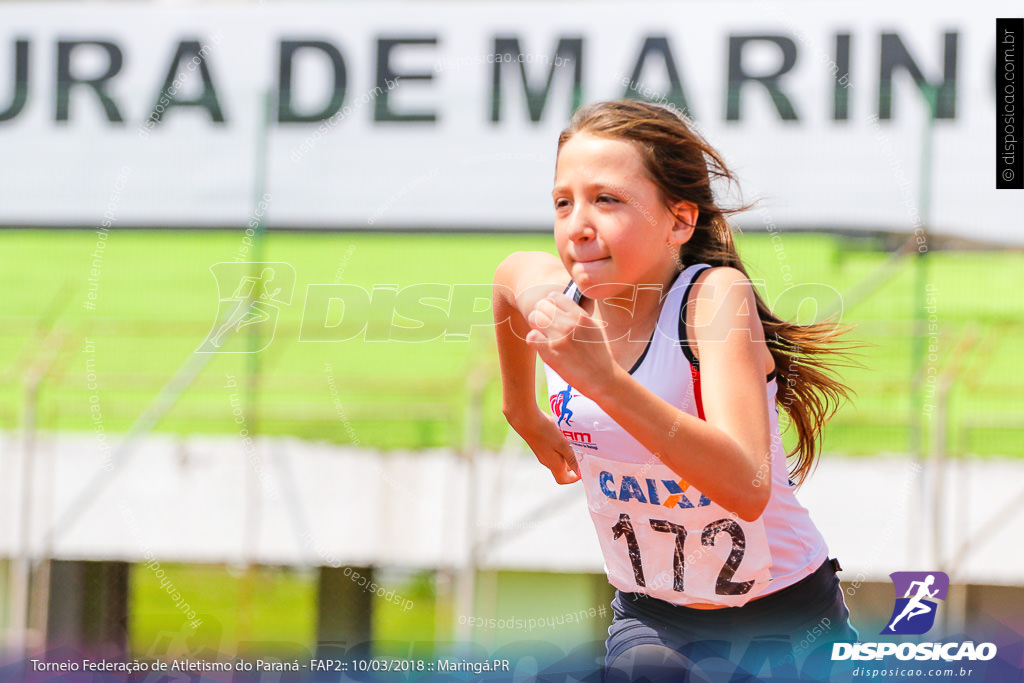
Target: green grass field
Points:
x,y
270,609
155,299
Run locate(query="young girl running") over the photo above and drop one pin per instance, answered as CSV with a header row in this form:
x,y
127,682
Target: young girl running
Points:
x,y
676,370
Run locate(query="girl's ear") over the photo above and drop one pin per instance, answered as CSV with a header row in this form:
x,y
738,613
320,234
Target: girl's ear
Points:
x,y
686,221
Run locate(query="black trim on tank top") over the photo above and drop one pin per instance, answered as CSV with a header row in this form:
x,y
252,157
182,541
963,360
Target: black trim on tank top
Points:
x,y
684,342
578,296
643,355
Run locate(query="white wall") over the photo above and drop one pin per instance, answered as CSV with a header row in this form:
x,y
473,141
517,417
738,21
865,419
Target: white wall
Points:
x,y
186,499
464,170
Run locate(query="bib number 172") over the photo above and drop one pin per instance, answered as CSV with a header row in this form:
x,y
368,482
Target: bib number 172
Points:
x,y
724,585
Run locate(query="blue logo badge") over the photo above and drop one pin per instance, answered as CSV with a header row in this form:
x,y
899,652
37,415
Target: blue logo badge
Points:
x,y
914,613
560,406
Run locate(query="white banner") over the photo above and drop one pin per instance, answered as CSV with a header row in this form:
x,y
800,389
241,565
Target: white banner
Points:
x,y
445,114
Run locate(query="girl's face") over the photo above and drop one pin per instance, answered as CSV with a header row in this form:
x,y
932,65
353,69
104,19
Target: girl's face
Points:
x,y
611,226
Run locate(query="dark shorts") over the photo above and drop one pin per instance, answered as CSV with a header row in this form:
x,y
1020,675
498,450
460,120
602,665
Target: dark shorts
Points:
x,y
775,634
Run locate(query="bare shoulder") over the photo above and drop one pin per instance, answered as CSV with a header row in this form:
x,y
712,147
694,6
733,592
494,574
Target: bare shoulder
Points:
x,y
719,290
723,301
721,275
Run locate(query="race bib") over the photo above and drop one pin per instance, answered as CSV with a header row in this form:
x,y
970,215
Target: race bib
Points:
x,y
662,537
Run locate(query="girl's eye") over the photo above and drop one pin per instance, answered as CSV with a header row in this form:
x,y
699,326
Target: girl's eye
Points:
x,y
607,198
561,203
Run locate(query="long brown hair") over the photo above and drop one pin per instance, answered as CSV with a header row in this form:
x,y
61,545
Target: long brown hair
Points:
x,y
683,166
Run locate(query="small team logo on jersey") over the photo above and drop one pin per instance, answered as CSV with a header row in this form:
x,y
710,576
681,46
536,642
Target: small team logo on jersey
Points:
x,y
914,613
560,406
560,409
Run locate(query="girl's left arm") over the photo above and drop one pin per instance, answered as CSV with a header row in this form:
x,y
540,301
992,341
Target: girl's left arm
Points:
x,y
727,456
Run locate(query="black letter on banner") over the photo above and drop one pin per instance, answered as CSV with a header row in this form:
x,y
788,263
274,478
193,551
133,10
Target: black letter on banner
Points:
x,y
99,84
841,88
536,99
387,79
285,111
738,75
894,54
188,50
675,95
20,82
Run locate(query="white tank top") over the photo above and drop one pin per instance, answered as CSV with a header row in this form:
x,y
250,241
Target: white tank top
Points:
x,y
659,535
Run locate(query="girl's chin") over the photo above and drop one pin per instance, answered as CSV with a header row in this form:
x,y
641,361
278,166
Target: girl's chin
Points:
x,y
602,288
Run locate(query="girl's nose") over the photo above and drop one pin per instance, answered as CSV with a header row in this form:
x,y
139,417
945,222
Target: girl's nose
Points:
x,y
581,228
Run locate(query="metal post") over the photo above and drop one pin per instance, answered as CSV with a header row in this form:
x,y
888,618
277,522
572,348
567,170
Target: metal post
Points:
x,y
19,640
253,496
955,613
918,350
465,587
21,563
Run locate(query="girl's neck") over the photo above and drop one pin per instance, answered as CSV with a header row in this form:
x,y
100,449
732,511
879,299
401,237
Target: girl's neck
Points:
x,y
629,311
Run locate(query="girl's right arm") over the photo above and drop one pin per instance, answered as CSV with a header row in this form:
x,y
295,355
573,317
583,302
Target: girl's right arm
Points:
x,y
522,280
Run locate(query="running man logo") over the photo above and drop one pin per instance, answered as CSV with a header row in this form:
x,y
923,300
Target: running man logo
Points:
x,y
251,295
560,409
914,613
560,406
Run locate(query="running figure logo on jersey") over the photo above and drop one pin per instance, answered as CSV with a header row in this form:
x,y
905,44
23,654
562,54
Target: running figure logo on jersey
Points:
x,y
560,406
914,613
251,296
